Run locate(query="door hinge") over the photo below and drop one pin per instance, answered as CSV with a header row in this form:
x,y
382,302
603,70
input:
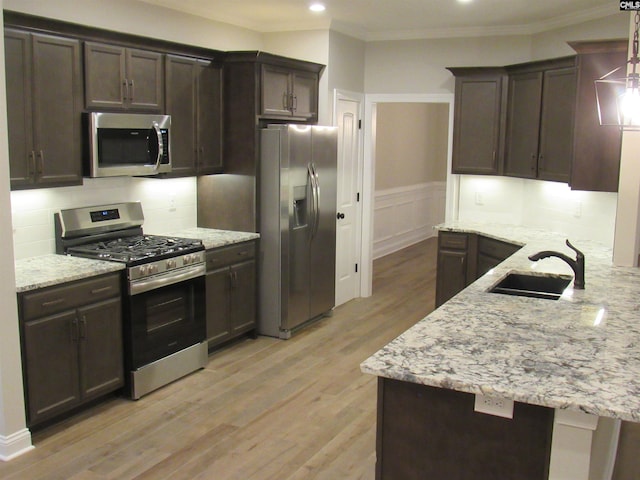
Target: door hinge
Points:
x,y
359,124
358,197
356,268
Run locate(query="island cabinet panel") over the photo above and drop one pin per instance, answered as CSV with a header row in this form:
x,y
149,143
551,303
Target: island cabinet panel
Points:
x,y
540,117
231,292
71,345
44,104
194,101
119,78
597,148
425,432
478,120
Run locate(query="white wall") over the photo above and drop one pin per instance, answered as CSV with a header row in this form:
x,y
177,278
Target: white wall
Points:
x,y
168,205
130,16
419,66
14,437
534,203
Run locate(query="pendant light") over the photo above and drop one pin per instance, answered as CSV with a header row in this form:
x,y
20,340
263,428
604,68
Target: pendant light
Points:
x,y
618,97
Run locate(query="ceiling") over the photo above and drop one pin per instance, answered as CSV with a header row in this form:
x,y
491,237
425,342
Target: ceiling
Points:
x,y
400,19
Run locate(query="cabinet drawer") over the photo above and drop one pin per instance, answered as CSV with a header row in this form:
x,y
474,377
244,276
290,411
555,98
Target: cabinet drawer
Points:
x,y
71,295
458,241
496,248
218,257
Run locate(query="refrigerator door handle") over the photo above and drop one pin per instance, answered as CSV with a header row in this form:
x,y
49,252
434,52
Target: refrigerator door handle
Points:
x,y
316,194
314,206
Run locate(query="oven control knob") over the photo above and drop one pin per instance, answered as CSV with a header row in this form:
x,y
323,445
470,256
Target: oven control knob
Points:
x,y
186,260
143,270
171,264
153,269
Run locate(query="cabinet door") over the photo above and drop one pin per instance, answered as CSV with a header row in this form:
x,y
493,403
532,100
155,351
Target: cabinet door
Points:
x,y
477,121
17,48
276,91
51,363
100,348
304,102
556,125
451,274
57,98
209,118
523,124
597,148
145,82
104,76
218,291
243,296
181,105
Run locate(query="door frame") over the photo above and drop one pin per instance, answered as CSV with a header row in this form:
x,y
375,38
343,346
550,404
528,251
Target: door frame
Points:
x,y
368,174
340,94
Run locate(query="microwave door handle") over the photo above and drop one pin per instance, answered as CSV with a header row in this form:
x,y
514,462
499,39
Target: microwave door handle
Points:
x,y
156,127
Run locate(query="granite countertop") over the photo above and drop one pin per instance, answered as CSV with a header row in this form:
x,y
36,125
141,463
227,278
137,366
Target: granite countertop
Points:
x,y
213,238
580,352
47,270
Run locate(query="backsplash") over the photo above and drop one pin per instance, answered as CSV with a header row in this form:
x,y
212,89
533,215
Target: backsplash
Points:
x,y
168,204
535,203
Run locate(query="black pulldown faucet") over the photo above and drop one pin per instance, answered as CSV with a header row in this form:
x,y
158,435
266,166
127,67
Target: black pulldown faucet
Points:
x,y
577,265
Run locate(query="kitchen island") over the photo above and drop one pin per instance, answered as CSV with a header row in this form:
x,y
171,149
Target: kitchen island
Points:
x,y
577,357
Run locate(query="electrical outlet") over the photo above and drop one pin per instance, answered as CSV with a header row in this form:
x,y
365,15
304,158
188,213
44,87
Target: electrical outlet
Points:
x,y
500,407
479,199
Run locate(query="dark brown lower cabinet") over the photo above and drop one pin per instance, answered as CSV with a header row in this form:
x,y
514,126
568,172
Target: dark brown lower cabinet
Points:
x,y
465,257
71,345
429,433
231,292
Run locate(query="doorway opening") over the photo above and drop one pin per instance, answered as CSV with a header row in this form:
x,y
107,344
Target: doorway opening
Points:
x,y
382,205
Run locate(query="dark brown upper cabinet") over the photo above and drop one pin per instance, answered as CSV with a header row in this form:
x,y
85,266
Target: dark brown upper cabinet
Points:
x,y
44,104
478,120
597,148
119,78
540,116
287,92
194,101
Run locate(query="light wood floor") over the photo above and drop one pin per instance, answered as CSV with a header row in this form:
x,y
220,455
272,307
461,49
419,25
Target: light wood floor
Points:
x,y
262,409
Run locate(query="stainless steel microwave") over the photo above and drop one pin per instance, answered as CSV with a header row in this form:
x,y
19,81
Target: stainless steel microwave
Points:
x,y
129,144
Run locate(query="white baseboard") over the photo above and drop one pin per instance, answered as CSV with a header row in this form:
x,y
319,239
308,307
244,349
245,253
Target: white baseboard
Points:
x,y
404,216
14,445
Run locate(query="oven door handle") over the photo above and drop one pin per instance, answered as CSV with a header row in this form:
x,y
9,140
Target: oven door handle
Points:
x,y
144,285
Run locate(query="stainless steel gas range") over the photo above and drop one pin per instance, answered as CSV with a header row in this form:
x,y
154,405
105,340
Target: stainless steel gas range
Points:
x,y
164,284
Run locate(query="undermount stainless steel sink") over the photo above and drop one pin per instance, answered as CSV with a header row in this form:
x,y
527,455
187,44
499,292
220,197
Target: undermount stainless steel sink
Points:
x,y
535,286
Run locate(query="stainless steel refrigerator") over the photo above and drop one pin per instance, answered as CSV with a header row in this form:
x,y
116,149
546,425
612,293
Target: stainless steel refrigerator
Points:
x,y
297,193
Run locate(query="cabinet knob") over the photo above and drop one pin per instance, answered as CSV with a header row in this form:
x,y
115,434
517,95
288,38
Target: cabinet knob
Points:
x,y
340,216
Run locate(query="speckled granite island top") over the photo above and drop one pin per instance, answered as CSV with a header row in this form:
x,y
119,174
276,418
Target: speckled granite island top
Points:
x,y
580,352
47,270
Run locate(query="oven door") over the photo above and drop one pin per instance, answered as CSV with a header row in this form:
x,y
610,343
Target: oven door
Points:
x,y
165,319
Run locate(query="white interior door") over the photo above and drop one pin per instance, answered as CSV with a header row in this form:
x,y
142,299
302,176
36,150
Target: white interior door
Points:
x,y
349,206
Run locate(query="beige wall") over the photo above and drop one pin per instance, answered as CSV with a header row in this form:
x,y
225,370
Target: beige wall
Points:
x,y
411,144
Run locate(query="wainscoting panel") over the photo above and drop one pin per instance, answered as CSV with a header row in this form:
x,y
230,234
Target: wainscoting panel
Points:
x,y
404,216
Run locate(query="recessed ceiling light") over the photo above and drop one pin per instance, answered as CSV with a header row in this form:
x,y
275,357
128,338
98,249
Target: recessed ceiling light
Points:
x,y
465,1
317,7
